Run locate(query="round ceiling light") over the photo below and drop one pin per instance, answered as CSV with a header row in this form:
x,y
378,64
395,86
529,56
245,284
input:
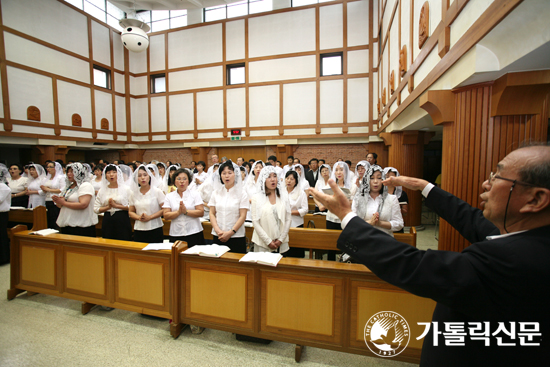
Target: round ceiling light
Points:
x,y
134,34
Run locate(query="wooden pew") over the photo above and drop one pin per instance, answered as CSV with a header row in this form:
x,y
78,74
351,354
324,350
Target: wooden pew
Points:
x,y
37,217
92,270
310,203
320,221
316,303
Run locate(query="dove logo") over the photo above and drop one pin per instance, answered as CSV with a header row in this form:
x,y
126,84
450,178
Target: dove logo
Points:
x,y
387,334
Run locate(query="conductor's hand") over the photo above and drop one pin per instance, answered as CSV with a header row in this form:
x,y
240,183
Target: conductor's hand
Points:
x,y
411,183
337,203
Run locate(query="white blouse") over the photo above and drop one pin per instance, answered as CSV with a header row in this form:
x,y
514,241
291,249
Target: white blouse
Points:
x,y
58,183
183,225
103,197
201,176
96,184
36,199
18,185
301,205
391,212
78,217
149,203
271,226
5,198
251,190
227,206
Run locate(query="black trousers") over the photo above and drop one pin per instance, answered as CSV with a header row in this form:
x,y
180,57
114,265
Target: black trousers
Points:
x,y
79,231
20,201
52,214
117,226
296,252
4,239
332,225
237,245
152,236
192,239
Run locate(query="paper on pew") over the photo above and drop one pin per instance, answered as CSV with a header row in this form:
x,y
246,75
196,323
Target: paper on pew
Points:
x,y
19,208
45,232
263,258
158,246
207,250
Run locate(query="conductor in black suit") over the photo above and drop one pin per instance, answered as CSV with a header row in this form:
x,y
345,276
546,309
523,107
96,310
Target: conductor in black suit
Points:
x,y
503,278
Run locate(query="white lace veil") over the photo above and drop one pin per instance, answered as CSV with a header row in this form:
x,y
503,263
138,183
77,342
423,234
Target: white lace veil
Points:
x,y
217,182
250,179
87,166
80,174
304,184
4,173
398,189
295,193
361,196
155,170
126,174
58,171
122,183
347,174
361,163
135,181
39,170
245,173
166,179
261,197
324,165
207,187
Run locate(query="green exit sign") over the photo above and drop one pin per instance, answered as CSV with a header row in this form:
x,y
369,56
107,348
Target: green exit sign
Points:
x,y
235,138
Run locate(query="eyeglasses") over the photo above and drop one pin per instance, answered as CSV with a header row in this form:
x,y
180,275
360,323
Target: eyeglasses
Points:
x,y
494,176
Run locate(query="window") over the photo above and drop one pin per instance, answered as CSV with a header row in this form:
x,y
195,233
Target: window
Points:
x,y
307,2
102,77
237,9
331,64
100,9
158,83
160,20
236,74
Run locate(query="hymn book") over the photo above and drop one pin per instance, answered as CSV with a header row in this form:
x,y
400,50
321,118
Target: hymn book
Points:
x,y
45,232
330,192
263,258
207,250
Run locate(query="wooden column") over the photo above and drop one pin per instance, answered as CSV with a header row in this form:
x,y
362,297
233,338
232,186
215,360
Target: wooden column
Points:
x,y
283,151
481,134
406,153
130,155
42,153
200,154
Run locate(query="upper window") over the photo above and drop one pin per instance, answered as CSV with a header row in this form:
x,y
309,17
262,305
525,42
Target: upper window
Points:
x,y
237,9
331,64
307,2
236,74
102,10
102,77
160,20
158,83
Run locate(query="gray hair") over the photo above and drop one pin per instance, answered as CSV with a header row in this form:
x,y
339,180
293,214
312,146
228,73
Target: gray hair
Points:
x,y
538,173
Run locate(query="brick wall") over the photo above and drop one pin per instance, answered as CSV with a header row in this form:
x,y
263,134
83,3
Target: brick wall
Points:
x,y
182,156
331,153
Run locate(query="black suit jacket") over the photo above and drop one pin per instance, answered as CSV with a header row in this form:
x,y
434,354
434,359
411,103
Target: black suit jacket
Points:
x,y
310,178
501,280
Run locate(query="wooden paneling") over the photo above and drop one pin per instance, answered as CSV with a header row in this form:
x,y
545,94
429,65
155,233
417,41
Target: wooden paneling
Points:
x,y
85,272
38,265
256,152
139,281
475,142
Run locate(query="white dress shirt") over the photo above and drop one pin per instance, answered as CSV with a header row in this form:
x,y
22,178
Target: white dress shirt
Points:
x,y
301,205
78,217
18,185
5,198
149,203
183,225
105,193
391,212
58,182
227,206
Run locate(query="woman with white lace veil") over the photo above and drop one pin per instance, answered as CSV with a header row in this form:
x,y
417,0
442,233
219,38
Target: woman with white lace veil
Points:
x,y
343,178
127,174
145,207
5,203
244,173
168,182
89,169
153,167
322,183
162,171
205,191
401,195
304,185
298,207
228,206
270,213
54,183
184,208
37,177
360,170
112,201
77,215
376,207
251,185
